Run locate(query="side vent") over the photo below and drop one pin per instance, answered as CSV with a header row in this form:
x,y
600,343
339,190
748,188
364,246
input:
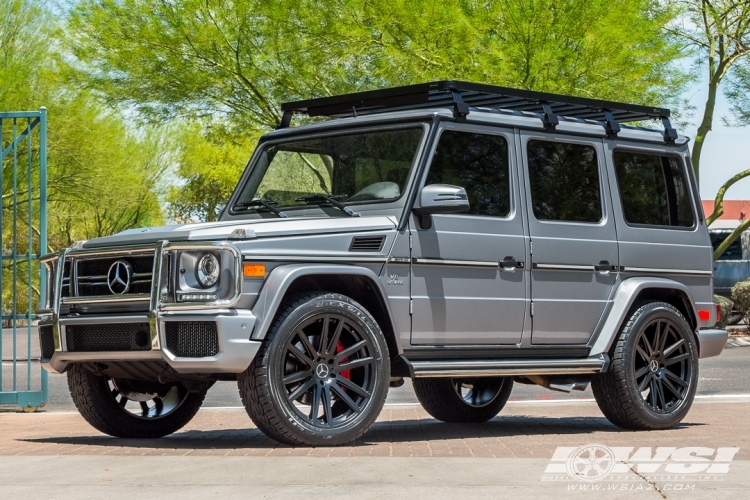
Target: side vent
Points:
x,y
367,243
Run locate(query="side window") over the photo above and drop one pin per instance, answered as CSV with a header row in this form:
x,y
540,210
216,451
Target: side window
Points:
x,y
564,181
653,190
478,163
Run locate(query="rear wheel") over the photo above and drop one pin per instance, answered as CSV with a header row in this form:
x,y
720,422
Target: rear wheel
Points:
x,y
653,377
463,400
132,408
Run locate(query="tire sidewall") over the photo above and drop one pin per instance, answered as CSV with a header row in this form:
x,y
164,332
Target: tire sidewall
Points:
x,y
652,312
274,356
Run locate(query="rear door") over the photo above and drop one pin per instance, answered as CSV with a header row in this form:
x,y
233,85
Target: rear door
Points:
x,y
573,238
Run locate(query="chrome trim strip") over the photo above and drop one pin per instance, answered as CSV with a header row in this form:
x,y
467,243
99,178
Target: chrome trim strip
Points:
x,y
344,259
562,267
107,299
400,260
153,308
56,334
444,262
105,252
101,320
688,272
504,368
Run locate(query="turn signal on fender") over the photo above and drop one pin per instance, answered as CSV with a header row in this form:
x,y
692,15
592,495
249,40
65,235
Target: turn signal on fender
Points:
x,y
254,270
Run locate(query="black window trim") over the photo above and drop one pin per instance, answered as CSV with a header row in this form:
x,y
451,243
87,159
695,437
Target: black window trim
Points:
x,y
601,169
683,168
506,132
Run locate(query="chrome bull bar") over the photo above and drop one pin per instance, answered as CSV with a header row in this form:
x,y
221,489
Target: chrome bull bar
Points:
x,y
157,300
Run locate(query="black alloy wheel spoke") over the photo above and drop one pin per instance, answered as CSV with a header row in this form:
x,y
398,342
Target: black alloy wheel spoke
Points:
x,y
345,398
663,344
299,391
327,403
323,344
646,357
676,359
348,384
350,365
675,378
641,372
666,383
668,351
331,349
123,401
646,381
315,406
311,351
350,350
297,377
301,356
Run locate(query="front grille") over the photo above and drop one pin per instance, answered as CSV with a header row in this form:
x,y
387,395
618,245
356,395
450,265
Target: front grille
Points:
x,y
108,337
92,275
192,339
46,341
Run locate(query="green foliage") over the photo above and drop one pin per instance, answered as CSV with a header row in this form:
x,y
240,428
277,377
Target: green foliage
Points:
x,y
235,62
741,296
726,306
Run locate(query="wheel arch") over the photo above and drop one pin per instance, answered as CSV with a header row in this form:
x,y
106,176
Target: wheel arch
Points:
x,y
359,283
634,290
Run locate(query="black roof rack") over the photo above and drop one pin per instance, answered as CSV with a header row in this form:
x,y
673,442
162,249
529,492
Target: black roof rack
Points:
x,y
460,96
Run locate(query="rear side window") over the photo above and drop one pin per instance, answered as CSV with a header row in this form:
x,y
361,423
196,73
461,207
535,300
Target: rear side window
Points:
x,y
653,190
564,181
478,163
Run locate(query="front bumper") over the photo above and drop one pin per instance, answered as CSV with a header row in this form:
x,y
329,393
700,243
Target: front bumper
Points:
x,y
711,342
233,327
229,333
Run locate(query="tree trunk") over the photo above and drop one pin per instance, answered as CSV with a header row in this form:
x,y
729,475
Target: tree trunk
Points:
x,y
705,126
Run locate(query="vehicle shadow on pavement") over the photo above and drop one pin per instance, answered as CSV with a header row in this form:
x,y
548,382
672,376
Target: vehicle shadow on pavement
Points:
x,y
398,431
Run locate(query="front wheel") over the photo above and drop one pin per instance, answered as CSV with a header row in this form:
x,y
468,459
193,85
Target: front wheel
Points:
x,y
321,376
653,377
463,400
131,408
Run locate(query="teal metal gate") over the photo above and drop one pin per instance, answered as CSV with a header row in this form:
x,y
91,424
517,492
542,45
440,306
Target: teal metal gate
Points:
x,y
23,229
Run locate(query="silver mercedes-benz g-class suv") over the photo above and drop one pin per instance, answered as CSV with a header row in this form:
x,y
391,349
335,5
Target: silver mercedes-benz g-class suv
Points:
x,y
466,236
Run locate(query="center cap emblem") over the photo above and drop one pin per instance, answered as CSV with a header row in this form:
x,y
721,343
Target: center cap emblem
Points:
x,y
653,365
322,370
119,276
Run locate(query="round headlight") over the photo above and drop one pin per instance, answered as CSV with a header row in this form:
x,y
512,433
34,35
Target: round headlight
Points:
x,y
207,270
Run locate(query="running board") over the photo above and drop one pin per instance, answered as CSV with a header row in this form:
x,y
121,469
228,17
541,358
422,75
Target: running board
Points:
x,y
508,368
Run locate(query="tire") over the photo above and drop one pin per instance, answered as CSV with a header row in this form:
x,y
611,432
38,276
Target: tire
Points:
x,y
298,368
106,407
651,382
445,399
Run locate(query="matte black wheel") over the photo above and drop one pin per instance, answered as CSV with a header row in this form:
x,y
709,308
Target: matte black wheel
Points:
x,y
653,377
463,400
322,374
131,408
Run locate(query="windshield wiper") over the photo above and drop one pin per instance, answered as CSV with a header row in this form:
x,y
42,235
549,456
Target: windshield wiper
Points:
x,y
267,204
321,198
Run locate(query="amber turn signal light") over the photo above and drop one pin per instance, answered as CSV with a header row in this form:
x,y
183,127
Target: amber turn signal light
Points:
x,y
254,270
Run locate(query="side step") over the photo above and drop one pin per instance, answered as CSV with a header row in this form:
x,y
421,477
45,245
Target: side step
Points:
x,y
508,368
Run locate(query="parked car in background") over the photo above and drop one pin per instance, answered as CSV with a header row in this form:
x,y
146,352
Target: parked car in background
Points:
x,y
733,266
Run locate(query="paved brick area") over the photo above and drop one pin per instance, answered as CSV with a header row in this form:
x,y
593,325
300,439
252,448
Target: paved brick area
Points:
x,y
524,430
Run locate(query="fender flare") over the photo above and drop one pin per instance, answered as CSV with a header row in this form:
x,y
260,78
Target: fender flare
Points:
x,y
282,277
623,299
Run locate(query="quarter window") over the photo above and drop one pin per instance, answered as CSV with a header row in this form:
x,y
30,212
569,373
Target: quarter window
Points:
x,y
564,181
653,190
478,163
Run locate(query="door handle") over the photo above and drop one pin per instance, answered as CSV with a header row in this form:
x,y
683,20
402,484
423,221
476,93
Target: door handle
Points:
x,y
604,267
510,264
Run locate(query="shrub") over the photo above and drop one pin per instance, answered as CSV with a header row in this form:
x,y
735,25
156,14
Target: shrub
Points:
x,y
726,309
741,296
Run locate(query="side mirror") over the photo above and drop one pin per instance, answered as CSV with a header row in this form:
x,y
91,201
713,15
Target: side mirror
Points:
x,y
442,199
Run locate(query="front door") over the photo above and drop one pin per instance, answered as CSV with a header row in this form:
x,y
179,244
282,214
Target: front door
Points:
x,y
573,238
467,274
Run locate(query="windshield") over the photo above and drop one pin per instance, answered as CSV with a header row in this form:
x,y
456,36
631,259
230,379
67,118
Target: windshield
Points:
x,y
361,167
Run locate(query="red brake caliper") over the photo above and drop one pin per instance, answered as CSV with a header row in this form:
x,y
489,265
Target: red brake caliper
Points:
x,y
347,374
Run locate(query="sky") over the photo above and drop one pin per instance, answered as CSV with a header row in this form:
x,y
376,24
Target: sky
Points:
x,y
726,151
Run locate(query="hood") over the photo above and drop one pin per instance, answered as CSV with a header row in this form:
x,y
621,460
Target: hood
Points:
x,y
262,228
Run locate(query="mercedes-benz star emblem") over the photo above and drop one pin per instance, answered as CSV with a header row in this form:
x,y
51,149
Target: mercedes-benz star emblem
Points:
x,y
322,370
119,276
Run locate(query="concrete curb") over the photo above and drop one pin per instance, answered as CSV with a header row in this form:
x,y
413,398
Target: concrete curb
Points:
x,y
738,342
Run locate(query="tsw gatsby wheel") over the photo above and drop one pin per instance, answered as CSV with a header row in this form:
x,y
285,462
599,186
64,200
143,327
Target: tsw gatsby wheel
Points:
x,y
321,376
